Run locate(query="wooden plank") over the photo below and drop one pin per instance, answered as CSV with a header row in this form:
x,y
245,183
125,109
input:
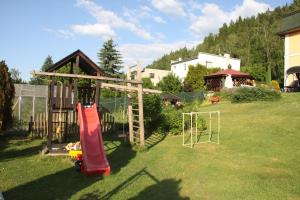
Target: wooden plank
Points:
x,y
140,106
34,73
50,108
130,117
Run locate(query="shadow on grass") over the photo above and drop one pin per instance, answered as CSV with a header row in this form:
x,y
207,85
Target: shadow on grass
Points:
x,y
119,153
153,139
27,152
60,185
166,189
19,140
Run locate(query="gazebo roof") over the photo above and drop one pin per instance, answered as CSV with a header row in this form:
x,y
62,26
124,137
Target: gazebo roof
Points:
x,y
231,72
85,63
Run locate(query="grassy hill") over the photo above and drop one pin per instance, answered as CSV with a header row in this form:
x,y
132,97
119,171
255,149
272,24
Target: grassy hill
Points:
x,y
258,158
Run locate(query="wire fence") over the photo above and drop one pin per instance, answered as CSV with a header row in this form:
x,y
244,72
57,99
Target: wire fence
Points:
x,y
32,99
29,100
117,103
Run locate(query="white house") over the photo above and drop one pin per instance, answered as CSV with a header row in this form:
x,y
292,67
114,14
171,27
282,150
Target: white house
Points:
x,y
180,67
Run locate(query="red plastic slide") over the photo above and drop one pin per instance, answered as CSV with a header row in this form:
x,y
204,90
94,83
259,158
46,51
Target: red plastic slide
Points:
x,y
94,157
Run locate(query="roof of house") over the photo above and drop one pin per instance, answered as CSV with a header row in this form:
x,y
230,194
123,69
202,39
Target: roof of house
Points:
x,y
290,23
231,72
85,63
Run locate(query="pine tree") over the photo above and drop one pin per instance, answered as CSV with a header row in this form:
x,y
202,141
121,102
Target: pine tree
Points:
x,y
47,63
41,80
110,59
7,92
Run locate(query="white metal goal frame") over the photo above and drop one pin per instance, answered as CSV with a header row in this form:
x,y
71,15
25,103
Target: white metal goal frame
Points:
x,y
193,131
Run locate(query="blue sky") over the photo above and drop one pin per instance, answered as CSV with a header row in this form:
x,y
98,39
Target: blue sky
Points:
x,y
144,30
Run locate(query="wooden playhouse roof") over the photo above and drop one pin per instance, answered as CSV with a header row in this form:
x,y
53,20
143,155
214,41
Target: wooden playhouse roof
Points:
x,y
85,63
231,72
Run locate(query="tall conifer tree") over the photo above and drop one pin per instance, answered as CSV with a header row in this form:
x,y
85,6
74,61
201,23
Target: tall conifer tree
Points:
x,y
110,59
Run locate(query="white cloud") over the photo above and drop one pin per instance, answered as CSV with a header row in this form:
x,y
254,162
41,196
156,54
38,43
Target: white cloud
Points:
x,y
249,8
170,7
158,19
112,20
102,30
144,12
147,53
60,32
213,17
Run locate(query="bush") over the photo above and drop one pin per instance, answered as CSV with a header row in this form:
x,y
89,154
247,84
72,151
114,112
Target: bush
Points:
x,y
275,85
170,83
152,109
242,95
171,120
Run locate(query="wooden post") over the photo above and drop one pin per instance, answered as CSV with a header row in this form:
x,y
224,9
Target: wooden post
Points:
x,y
33,105
20,101
130,122
50,113
140,105
97,92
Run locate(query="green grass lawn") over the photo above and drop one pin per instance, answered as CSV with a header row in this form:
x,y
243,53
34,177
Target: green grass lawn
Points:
x,y
258,158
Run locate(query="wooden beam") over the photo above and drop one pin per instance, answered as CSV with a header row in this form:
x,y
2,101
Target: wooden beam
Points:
x,y
130,116
97,93
128,88
50,113
140,106
34,73
103,85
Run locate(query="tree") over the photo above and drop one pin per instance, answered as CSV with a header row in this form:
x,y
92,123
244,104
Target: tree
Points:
x,y
252,39
194,79
40,80
15,75
147,83
110,59
7,93
170,83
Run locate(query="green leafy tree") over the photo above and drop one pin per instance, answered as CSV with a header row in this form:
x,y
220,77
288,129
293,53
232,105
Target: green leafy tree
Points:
x,y
110,59
7,92
15,75
195,77
256,70
170,83
41,80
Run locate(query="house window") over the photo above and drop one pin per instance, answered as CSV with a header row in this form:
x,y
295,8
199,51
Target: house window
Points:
x,y
151,75
209,64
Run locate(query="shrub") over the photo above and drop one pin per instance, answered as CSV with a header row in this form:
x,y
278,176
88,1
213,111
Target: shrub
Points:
x,y
152,109
242,95
171,120
275,85
170,83
194,79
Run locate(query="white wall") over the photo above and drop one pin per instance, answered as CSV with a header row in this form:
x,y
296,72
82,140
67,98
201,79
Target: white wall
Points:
x,y
158,74
180,68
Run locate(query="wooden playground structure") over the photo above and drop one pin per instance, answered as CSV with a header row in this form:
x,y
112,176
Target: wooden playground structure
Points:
x,y
64,96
